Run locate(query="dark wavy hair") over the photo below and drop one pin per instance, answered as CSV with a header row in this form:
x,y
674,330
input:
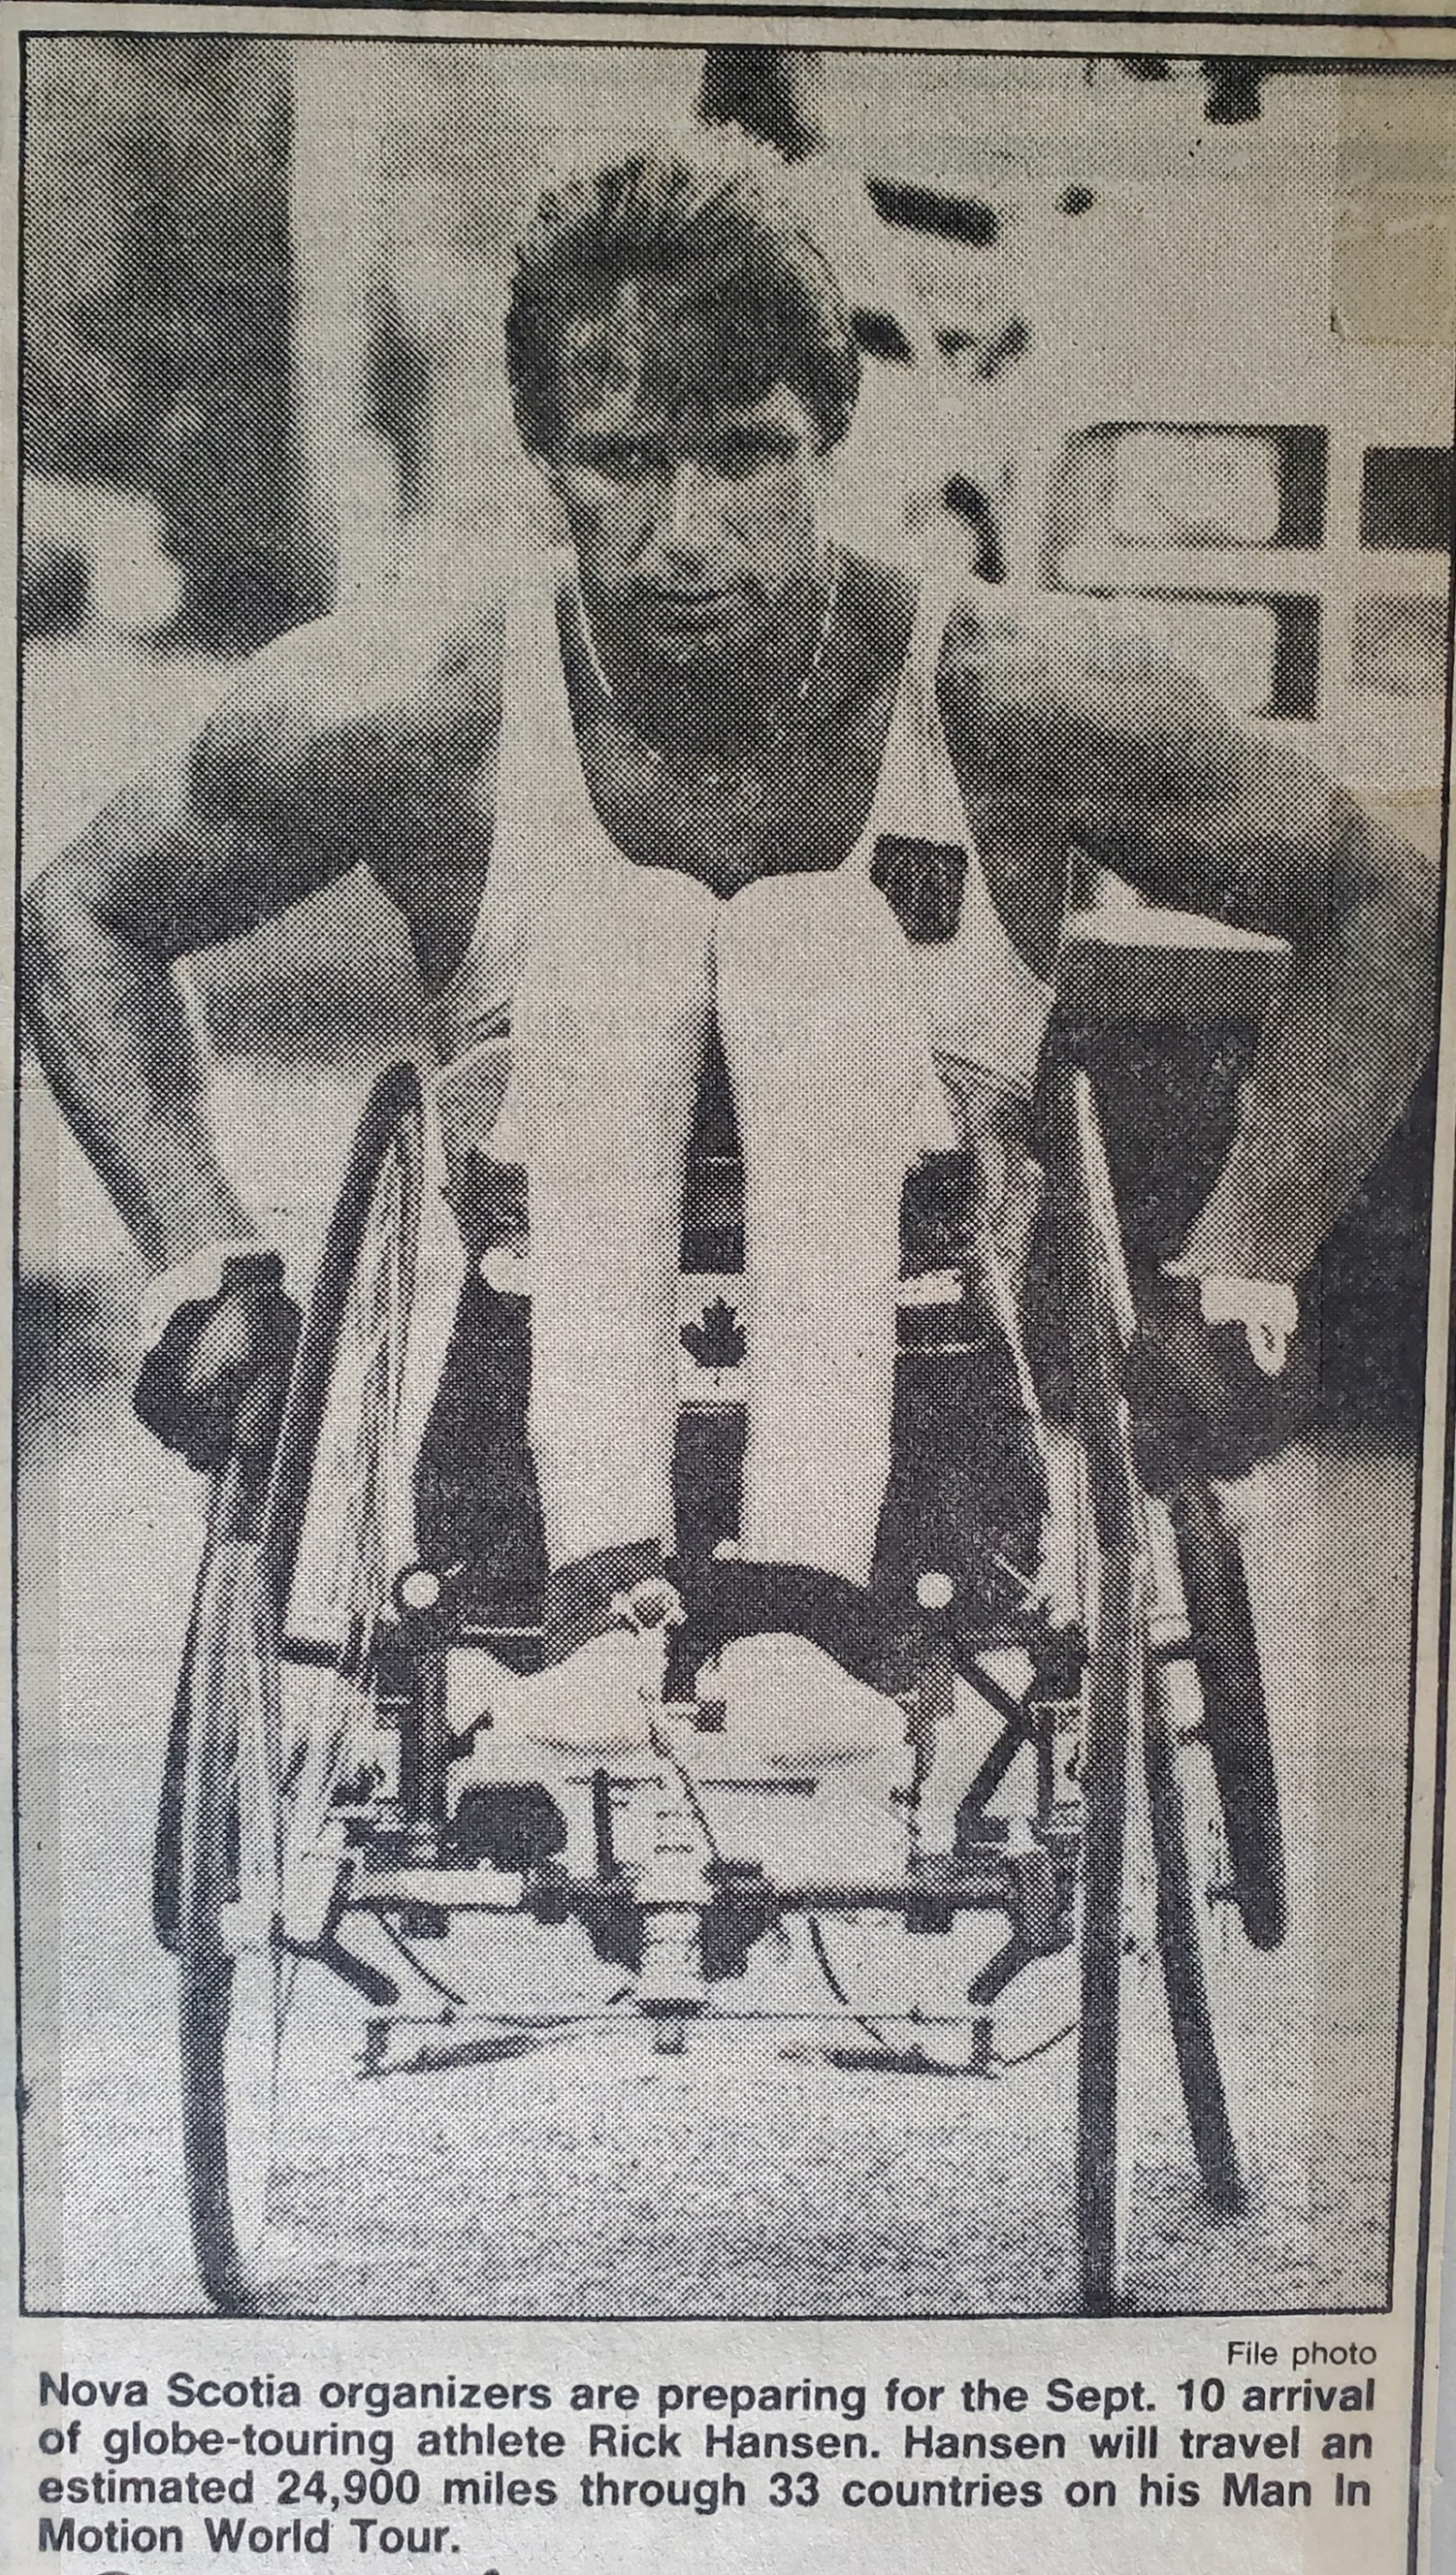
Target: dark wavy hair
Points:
x,y
738,296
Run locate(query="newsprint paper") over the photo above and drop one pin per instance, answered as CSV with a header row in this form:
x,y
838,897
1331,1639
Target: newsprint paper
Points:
x,y
731,1290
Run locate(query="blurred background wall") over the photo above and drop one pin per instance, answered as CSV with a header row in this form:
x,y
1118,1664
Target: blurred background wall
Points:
x,y
1172,330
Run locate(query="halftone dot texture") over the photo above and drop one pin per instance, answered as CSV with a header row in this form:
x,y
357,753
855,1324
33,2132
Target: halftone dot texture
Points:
x,y
587,2177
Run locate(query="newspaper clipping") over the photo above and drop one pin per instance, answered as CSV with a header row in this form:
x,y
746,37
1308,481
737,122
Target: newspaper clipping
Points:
x,y
730,1293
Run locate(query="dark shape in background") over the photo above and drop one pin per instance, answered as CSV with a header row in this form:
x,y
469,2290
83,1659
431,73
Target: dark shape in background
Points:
x,y
763,89
157,341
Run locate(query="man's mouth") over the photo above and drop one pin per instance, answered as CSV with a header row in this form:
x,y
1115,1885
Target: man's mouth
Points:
x,y
692,609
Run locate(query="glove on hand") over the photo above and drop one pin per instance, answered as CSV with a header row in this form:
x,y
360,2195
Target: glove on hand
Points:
x,y
216,1373
1218,1378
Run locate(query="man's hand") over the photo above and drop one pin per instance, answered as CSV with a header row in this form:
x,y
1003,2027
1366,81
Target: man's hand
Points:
x,y
216,1371
1218,1378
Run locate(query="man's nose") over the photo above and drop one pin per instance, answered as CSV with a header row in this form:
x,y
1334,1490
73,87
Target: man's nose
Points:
x,y
689,517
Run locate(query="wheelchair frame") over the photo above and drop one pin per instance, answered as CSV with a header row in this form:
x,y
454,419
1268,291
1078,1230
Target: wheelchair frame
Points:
x,y
268,1839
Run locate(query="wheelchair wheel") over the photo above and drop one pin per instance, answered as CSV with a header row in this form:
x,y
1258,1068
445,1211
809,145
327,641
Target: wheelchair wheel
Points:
x,y
1155,1893
338,1475
278,1722
232,1979
1115,1695
1235,1716
1131,1727
167,1842
1195,1934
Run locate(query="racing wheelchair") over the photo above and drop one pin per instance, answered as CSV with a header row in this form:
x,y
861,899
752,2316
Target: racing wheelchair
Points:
x,y
1085,1777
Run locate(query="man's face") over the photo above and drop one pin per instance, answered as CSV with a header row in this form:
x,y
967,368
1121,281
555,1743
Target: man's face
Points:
x,y
694,520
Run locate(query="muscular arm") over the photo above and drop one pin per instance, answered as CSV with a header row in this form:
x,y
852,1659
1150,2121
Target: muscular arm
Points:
x,y
175,862
1068,728
327,751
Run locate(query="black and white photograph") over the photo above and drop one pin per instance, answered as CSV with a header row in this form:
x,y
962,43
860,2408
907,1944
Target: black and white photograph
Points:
x,y
731,896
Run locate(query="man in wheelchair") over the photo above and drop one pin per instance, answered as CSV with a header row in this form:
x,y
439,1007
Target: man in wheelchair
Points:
x,y
711,791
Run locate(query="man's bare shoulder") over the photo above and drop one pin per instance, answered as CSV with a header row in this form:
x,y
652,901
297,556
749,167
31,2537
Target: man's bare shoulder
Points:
x,y
402,682
1046,695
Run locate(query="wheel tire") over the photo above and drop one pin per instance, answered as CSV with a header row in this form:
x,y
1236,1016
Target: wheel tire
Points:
x,y
1235,1714
1190,1913
231,1803
232,1984
167,1841
1114,1687
1129,1705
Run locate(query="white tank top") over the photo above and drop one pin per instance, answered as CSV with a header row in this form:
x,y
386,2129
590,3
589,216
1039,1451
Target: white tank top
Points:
x,y
984,1006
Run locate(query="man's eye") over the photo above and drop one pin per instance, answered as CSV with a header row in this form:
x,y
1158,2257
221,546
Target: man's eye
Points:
x,y
736,458
623,462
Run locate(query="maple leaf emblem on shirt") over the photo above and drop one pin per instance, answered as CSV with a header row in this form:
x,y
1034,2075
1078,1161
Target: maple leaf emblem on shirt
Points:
x,y
719,1341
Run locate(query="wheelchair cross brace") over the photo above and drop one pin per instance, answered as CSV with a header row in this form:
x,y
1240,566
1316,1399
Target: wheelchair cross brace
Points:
x,y
685,1919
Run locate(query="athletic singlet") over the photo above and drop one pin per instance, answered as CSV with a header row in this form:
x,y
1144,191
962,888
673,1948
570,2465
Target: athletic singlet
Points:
x,y
984,1005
